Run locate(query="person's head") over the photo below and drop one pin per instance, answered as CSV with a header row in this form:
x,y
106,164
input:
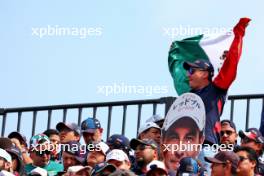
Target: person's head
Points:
x,y
73,154
156,168
97,154
68,132
188,166
247,161
228,134
53,136
150,130
5,160
119,159
156,119
40,150
118,141
5,143
17,163
223,163
103,169
146,150
252,138
21,138
184,124
91,130
200,73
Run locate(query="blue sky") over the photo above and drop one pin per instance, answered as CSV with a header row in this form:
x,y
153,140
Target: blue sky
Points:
x,y
132,48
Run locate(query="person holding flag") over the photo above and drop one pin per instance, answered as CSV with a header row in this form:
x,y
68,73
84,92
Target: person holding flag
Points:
x,y
194,56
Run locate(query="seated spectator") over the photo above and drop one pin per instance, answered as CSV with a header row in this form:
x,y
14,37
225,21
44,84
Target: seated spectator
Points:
x,y
72,154
17,163
40,154
20,142
103,169
247,161
224,163
156,119
68,132
55,141
91,131
156,168
145,152
119,159
5,163
184,124
150,130
228,133
188,166
97,154
253,138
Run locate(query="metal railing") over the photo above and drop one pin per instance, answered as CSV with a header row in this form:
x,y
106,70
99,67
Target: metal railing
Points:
x,y
166,101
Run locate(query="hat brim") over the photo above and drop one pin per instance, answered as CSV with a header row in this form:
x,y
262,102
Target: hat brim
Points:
x,y
213,160
60,126
188,65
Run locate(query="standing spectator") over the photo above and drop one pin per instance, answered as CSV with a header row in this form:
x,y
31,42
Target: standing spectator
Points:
x,y
188,166
224,163
55,142
68,132
150,130
17,163
228,133
91,131
145,152
5,163
119,159
97,154
247,161
156,119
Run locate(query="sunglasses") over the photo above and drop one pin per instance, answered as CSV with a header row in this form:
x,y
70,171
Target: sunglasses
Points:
x,y
143,147
241,158
193,70
42,153
228,132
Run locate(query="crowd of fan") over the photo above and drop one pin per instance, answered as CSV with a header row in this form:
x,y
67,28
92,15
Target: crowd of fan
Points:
x,y
120,156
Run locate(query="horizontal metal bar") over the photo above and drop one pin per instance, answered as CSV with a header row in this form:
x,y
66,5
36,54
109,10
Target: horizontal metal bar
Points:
x,y
249,96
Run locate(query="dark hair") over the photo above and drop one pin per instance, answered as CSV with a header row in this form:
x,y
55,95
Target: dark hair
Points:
x,y
50,132
251,154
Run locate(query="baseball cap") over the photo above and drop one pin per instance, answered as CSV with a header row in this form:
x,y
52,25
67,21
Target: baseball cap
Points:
x,y
39,139
117,154
74,148
101,167
187,105
5,143
78,168
252,133
188,165
122,172
231,123
71,126
222,157
155,118
22,139
201,64
90,125
149,142
118,141
39,171
5,155
155,164
147,126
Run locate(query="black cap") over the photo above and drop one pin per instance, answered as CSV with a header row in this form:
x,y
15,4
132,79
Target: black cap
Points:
x,y
201,64
231,123
252,133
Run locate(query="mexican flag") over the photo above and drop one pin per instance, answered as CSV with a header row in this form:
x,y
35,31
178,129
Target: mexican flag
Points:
x,y
214,48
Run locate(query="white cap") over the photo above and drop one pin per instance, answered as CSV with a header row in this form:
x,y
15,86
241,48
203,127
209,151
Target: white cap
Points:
x,y
5,155
186,105
6,173
155,118
102,146
75,169
156,164
147,126
39,171
117,154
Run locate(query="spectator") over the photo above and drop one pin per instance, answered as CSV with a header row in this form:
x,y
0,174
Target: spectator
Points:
x,y
228,134
68,132
119,159
102,169
17,163
72,154
184,125
118,141
145,152
150,130
247,161
156,168
5,163
156,119
224,163
91,131
55,141
97,154
40,154
188,166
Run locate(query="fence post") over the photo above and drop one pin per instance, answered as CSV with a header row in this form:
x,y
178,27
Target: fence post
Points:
x,y
168,101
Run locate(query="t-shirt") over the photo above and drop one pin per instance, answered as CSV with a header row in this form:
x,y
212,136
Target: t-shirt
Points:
x,y
52,168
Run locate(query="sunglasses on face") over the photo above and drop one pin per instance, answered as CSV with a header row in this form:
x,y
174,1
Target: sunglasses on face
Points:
x,y
142,147
42,153
242,158
228,132
193,70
